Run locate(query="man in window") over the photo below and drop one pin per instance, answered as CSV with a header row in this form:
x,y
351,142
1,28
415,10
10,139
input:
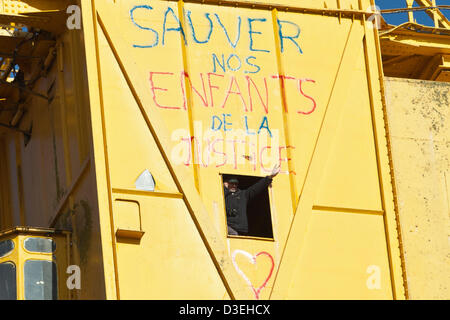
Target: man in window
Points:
x,y
236,201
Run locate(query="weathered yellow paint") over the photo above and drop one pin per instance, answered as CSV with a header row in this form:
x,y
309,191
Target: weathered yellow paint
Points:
x,y
418,122
122,102
130,107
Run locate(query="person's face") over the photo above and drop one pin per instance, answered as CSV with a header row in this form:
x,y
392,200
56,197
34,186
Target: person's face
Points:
x,y
232,186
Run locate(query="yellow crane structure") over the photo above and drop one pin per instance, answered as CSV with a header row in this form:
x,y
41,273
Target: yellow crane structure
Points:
x,y
120,120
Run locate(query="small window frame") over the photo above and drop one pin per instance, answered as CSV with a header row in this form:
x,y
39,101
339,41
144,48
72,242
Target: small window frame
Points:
x,y
222,175
39,252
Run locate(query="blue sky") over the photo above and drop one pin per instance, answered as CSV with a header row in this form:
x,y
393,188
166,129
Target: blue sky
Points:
x,y
399,18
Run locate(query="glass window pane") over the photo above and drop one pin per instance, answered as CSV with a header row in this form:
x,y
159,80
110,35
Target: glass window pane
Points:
x,y
6,247
41,245
8,288
40,280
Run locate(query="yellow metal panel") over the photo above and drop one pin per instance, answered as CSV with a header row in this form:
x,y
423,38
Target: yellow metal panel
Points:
x,y
350,178
348,244
418,121
256,262
131,148
128,214
313,101
170,261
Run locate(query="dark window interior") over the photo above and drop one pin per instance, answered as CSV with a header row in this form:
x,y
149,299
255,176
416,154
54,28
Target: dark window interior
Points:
x,y
6,247
8,287
258,210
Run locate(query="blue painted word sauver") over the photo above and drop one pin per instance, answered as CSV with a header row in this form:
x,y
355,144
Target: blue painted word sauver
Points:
x,y
288,31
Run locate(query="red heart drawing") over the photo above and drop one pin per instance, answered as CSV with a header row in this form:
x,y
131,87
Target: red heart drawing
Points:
x,y
252,259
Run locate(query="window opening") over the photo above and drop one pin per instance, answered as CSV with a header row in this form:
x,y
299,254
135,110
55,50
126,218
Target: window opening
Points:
x,y
247,205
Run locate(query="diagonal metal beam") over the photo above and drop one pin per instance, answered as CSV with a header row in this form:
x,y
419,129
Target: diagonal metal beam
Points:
x,y
435,13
